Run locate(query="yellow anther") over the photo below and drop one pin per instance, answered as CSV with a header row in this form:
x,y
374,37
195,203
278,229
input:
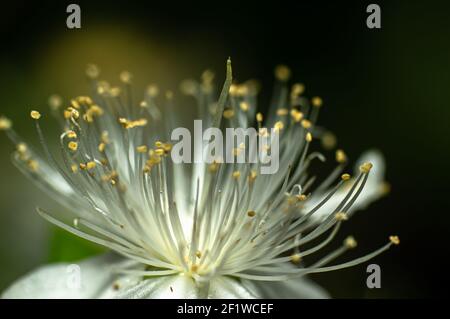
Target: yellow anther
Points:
x,y
395,240
296,258
316,101
207,76
252,176
236,175
236,151
74,168
242,90
33,165
297,89
55,102
259,117
143,104
296,115
74,113
101,147
306,124
159,152
71,112
188,87
92,71
251,213
35,115
21,148
94,110
263,132
110,177
115,91
131,124
228,113
141,149
152,90
125,77
90,165
308,137
167,147
341,157
366,167
328,140
291,200
213,167
194,268
81,99
153,160
278,126
341,216
198,253
105,137
282,73
159,144
345,177
103,87
75,104
67,114
140,122
82,166
169,95
85,100
350,242
233,89
282,112
301,197
73,146
5,123
71,134
244,106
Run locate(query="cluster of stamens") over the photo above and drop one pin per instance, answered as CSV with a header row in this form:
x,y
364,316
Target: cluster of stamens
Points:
x,y
215,219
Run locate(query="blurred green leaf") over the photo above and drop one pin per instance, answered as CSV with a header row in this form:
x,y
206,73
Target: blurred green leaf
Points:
x,y
65,247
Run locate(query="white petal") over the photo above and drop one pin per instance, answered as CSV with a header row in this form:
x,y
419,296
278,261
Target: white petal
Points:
x,y
164,287
230,288
184,287
371,192
96,280
297,288
86,279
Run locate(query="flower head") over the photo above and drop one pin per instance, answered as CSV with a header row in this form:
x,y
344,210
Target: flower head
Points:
x,y
196,230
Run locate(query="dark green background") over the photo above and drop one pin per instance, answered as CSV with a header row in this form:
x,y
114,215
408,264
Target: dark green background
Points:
x,y
385,88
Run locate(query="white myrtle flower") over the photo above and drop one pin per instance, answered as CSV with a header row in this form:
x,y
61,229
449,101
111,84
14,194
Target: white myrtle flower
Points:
x,y
218,230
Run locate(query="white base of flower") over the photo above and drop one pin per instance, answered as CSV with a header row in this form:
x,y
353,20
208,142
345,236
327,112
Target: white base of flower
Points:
x,y
98,281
